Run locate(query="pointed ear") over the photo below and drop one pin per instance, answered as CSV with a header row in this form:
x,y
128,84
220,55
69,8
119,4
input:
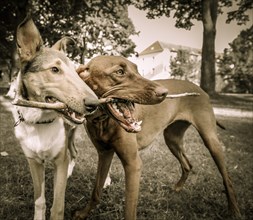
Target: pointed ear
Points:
x,y
63,44
29,40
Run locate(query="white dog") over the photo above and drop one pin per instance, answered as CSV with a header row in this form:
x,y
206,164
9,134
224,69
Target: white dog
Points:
x,y
48,76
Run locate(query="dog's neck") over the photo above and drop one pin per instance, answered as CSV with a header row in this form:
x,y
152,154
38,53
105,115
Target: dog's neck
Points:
x,y
33,116
99,115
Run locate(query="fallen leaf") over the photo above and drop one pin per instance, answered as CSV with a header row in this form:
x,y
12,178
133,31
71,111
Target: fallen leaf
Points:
x,y
4,154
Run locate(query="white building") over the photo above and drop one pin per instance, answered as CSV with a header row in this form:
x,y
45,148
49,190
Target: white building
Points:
x,y
154,62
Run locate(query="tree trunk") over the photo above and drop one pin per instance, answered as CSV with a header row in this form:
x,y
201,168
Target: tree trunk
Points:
x,y
209,13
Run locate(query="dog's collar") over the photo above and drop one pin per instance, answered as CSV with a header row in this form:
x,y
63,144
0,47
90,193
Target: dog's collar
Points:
x,y
22,119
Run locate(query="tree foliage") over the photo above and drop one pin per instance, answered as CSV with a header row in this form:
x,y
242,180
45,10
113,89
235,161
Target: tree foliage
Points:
x,y
98,26
9,12
184,66
240,15
236,65
185,12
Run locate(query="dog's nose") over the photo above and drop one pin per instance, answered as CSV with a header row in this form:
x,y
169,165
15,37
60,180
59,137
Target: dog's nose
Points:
x,y
161,92
91,104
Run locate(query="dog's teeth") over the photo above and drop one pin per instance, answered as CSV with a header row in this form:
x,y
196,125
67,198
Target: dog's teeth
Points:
x,y
136,126
114,105
139,123
119,112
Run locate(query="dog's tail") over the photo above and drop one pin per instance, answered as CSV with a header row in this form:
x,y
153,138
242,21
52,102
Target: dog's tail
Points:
x,y
220,125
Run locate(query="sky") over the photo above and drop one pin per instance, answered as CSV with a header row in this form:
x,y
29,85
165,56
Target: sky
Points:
x,y
163,29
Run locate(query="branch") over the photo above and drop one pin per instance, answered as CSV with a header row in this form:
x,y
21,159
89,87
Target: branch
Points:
x,y
60,105
182,95
42,105
105,100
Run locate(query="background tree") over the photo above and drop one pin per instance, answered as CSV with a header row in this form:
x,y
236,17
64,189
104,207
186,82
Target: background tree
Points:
x,y
99,27
206,11
106,29
185,66
11,13
236,65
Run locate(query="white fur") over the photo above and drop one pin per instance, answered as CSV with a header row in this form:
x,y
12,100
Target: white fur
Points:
x,y
39,141
40,204
108,181
71,167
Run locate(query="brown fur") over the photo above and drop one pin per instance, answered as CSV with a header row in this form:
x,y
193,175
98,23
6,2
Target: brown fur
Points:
x,y
171,117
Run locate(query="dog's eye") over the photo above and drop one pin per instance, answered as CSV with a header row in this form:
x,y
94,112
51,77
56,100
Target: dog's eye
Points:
x,y
120,72
55,70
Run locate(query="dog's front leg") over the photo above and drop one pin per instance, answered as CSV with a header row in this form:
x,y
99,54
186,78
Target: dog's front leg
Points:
x,y
38,176
60,182
104,163
132,163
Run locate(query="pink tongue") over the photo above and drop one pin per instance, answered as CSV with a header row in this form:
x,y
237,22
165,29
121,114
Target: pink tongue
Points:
x,y
125,111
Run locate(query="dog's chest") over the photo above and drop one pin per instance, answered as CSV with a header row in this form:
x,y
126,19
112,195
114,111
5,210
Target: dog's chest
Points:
x,y
41,141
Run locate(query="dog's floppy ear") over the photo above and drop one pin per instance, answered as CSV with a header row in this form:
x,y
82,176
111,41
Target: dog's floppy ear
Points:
x,y
83,72
29,40
63,44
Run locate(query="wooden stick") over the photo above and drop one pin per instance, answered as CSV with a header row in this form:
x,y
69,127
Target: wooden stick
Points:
x,y
45,105
42,105
105,100
182,95
59,105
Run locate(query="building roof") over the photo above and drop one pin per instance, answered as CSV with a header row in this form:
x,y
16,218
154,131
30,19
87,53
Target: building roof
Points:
x,y
159,46
156,47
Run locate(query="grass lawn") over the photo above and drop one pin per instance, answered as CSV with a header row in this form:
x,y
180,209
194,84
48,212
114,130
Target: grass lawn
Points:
x,y
203,196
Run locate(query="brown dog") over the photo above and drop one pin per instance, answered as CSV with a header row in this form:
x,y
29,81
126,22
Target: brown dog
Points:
x,y
118,78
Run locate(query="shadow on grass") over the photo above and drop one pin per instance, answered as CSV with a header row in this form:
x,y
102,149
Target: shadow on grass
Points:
x,y
236,101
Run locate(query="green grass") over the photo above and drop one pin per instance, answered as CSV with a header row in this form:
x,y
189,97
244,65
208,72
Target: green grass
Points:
x,y
202,197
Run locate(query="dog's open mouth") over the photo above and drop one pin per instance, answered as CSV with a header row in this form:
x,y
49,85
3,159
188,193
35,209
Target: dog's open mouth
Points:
x,y
67,112
123,111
